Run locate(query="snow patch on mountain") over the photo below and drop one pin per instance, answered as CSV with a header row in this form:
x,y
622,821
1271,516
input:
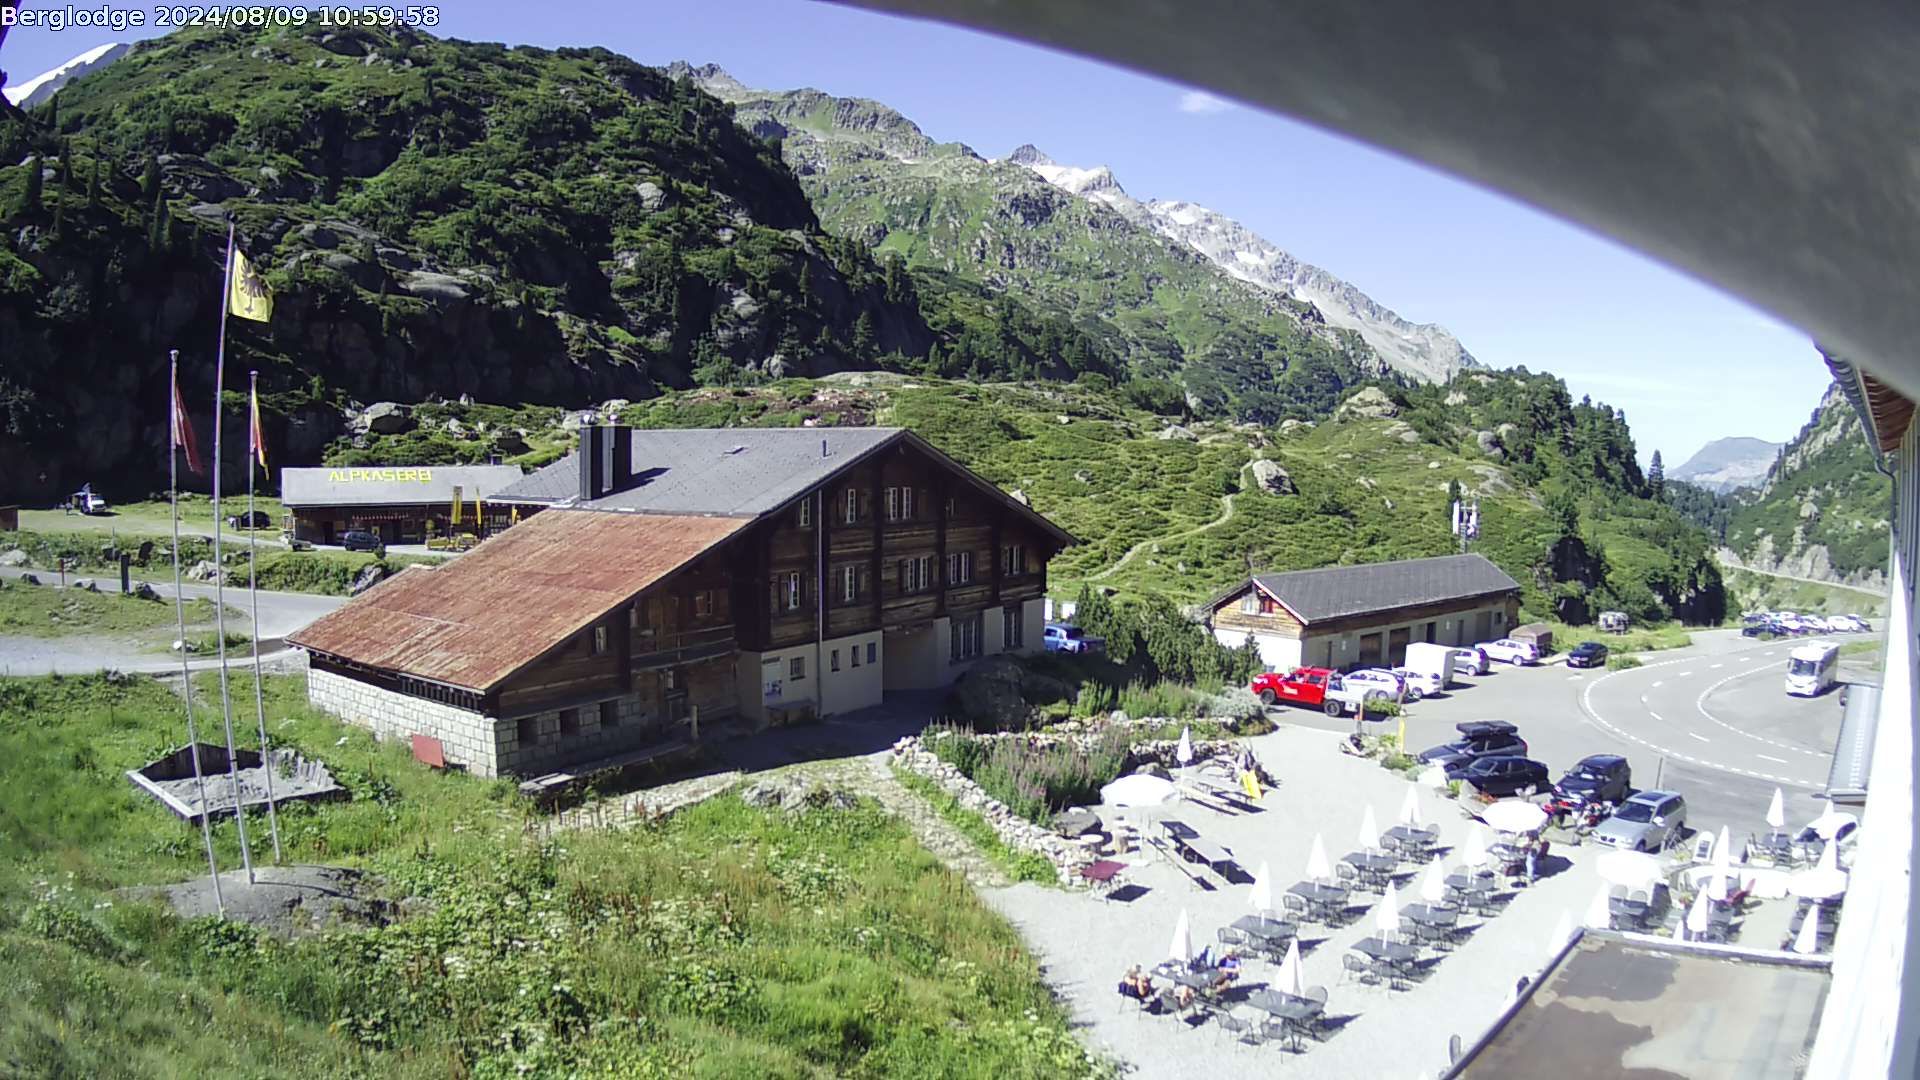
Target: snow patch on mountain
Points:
x,y
1425,351
38,89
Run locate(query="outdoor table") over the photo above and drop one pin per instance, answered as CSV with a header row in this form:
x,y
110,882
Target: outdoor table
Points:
x,y
1431,914
1410,837
1268,931
1777,846
1507,855
1371,862
1320,898
1293,1011
1209,853
1102,873
1398,955
1178,830
1633,911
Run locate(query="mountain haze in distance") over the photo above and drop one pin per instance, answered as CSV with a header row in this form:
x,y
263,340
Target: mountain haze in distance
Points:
x,y
38,89
840,146
1726,464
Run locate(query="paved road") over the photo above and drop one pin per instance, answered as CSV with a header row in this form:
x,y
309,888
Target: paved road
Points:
x,y
281,613
1712,722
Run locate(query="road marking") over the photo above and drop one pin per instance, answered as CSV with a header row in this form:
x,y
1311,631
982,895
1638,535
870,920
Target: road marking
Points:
x,y
1700,703
1769,757
1703,738
1684,674
1656,682
1715,667
1657,717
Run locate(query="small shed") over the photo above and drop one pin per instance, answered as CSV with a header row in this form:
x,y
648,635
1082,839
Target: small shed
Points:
x,y
1537,634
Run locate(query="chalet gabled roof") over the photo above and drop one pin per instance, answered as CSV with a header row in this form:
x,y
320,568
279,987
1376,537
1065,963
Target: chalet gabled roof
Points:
x,y
739,472
477,619
1338,592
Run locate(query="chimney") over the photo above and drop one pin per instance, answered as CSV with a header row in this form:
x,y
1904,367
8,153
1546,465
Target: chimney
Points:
x,y
606,460
592,462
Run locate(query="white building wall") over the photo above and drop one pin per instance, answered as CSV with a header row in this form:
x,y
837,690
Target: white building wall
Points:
x,y
1277,652
466,737
765,680
859,683
1870,1026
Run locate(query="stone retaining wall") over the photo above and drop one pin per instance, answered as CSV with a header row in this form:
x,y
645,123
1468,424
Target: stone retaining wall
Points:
x,y
1017,832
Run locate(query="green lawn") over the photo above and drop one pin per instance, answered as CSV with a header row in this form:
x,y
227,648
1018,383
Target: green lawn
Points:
x,y
46,612
153,517
328,572
727,941
1636,639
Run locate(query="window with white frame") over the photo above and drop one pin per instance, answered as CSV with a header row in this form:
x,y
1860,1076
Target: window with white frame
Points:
x,y
963,641
806,513
793,591
906,504
600,636
797,668
959,567
1250,603
1012,633
703,603
853,506
1013,560
916,574
849,584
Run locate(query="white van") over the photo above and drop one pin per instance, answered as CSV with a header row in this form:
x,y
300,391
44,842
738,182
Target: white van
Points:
x,y
1433,661
1811,668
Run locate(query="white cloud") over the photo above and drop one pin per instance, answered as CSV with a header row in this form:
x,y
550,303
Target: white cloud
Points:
x,y
1199,101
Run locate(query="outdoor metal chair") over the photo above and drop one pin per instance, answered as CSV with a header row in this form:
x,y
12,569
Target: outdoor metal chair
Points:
x,y
1389,972
1280,1031
1237,1025
1315,1023
1294,904
1229,936
1348,876
1354,966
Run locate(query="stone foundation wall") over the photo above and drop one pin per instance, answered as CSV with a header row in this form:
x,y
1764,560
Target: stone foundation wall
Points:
x,y
1017,832
466,737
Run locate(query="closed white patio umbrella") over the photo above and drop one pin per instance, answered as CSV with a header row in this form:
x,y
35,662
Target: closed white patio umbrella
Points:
x,y
1184,752
1369,830
1807,941
1318,866
1720,880
1697,915
1289,979
1410,808
1387,916
1777,811
1476,853
1261,898
1181,949
1433,886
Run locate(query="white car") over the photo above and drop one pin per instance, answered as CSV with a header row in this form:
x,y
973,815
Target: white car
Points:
x,y
1419,683
1469,660
1509,651
1381,679
1859,625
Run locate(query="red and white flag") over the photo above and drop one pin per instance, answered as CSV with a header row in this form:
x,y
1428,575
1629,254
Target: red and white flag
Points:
x,y
182,430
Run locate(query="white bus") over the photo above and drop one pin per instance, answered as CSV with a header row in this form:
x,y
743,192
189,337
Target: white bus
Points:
x,y
1811,668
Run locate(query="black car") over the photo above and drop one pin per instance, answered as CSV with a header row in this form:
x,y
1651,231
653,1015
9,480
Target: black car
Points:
x,y
360,540
1478,739
1502,775
255,519
1597,778
1587,654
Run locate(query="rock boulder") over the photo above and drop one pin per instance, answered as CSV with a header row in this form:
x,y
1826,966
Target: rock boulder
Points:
x,y
1371,402
1272,478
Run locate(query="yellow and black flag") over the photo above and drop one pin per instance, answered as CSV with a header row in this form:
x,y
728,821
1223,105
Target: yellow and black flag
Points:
x,y
248,296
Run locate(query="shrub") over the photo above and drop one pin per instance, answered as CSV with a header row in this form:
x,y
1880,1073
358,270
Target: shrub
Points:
x,y
1035,781
1622,662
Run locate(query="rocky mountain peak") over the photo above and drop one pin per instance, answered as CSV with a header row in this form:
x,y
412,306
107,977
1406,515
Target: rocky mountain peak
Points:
x,y
1029,155
709,77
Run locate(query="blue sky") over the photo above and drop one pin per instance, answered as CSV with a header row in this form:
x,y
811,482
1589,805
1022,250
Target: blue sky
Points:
x,y
1685,362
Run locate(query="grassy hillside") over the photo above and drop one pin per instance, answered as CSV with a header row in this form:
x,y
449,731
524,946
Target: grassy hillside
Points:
x,y
724,941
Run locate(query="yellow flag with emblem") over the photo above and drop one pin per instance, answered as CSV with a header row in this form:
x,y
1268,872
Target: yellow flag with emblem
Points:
x,y
248,296
1250,784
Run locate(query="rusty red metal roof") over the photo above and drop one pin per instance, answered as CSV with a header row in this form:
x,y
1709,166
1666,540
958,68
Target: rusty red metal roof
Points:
x,y
478,618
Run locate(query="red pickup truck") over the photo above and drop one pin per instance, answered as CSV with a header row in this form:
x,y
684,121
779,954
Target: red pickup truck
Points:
x,y
1313,687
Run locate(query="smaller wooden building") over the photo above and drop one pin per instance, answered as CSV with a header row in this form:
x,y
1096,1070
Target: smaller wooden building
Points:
x,y
401,504
1347,617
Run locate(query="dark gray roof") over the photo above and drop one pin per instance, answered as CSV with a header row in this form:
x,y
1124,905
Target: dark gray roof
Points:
x,y
730,471
1853,750
1336,592
393,485
735,472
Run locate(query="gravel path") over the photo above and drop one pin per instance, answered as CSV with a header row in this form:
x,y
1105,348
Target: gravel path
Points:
x,y
1226,515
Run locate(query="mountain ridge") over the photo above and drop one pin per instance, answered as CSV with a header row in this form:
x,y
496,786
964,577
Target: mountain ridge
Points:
x,y
1727,464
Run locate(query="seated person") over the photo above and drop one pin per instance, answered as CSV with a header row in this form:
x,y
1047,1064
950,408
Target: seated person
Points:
x,y
1228,970
1136,984
1182,996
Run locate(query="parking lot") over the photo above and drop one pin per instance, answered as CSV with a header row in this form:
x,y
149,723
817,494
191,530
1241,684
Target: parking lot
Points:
x,y
1712,722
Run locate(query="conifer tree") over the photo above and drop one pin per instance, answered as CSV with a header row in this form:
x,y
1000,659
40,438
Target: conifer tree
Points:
x,y
863,342
1657,477
30,196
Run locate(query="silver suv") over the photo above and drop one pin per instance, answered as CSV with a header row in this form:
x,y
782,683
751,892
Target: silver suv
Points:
x,y
1649,821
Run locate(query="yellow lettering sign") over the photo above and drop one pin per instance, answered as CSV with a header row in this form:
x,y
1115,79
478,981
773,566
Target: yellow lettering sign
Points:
x,y
380,476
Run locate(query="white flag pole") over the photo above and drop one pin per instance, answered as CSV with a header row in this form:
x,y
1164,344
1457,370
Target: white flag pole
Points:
x,y
219,567
255,438
174,405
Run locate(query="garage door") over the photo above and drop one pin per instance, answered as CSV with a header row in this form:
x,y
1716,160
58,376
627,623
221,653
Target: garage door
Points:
x,y
1397,647
1369,650
1483,626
